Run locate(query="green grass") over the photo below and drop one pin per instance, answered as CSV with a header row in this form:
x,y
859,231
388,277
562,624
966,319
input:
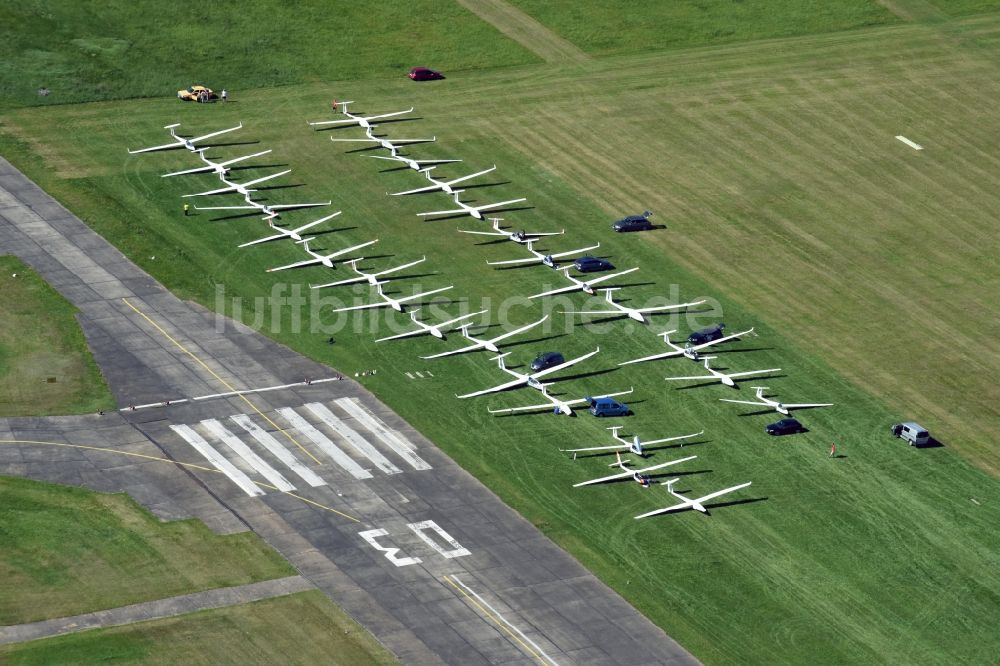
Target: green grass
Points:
x,y
40,340
606,27
69,551
966,7
113,49
304,628
866,267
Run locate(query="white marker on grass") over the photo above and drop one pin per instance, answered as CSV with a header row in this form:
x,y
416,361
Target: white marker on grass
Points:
x,y
911,144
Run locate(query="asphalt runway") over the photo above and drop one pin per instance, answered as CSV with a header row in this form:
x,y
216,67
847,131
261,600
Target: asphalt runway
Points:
x,y
368,510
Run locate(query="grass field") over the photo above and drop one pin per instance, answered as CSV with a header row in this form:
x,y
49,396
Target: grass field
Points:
x,y
606,27
45,366
113,49
69,551
304,628
866,267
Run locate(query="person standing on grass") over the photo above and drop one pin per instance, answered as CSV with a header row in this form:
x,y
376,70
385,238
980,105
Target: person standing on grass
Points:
x,y
833,449
187,210
224,95
334,104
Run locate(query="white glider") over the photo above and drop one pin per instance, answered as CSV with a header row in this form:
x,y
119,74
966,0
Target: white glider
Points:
x,y
521,237
396,304
690,351
317,258
221,168
636,474
631,313
780,407
587,286
416,165
180,142
370,278
474,211
294,234
539,257
242,188
635,446
391,145
725,378
363,121
526,379
437,330
561,406
696,504
490,344
443,185
271,211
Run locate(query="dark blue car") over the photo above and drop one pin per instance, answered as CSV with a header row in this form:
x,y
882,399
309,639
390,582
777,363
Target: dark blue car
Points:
x,y
590,264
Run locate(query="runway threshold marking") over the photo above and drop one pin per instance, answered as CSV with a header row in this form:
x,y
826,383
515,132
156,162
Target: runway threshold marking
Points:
x,y
221,380
173,462
501,622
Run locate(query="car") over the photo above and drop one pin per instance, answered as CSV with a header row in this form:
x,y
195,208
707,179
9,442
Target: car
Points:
x,y
590,264
190,94
713,332
608,407
785,427
633,223
911,432
424,74
546,360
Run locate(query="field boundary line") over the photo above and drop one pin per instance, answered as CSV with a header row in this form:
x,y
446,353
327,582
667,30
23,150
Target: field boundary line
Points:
x,y
526,31
156,609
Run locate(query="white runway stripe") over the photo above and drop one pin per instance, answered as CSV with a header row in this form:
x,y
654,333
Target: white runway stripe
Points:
x,y
236,444
392,439
217,460
265,439
321,440
911,144
353,438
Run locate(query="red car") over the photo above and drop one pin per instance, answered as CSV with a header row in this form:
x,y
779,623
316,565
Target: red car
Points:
x,y
424,74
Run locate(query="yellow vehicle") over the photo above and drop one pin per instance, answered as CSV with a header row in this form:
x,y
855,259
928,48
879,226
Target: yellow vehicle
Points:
x,y
191,93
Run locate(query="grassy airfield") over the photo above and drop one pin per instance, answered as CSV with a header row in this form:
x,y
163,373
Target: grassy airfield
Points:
x,y
864,266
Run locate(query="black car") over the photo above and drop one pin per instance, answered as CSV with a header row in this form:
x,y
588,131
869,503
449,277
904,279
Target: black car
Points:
x,y
424,74
633,223
713,332
546,360
590,264
785,427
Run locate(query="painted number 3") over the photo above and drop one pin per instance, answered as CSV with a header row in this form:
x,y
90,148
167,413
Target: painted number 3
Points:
x,y
420,529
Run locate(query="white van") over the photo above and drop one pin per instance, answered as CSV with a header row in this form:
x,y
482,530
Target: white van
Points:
x,y
911,432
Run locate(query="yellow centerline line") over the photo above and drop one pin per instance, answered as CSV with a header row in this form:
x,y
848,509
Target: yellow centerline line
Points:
x,y
496,621
222,381
175,462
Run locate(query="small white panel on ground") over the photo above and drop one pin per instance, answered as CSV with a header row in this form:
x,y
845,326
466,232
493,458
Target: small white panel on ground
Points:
x,y
392,439
217,460
389,551
273,476
265,439
360,444
456,548
321,440
911,144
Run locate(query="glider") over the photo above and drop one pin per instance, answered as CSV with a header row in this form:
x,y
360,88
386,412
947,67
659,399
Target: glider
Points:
x,y
539,257
691,351
474,211
396,304
371,278
696,503
526,379
587,286
631,313
180,142
488,344
437,330
725,378
294,234
780,407
317,258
